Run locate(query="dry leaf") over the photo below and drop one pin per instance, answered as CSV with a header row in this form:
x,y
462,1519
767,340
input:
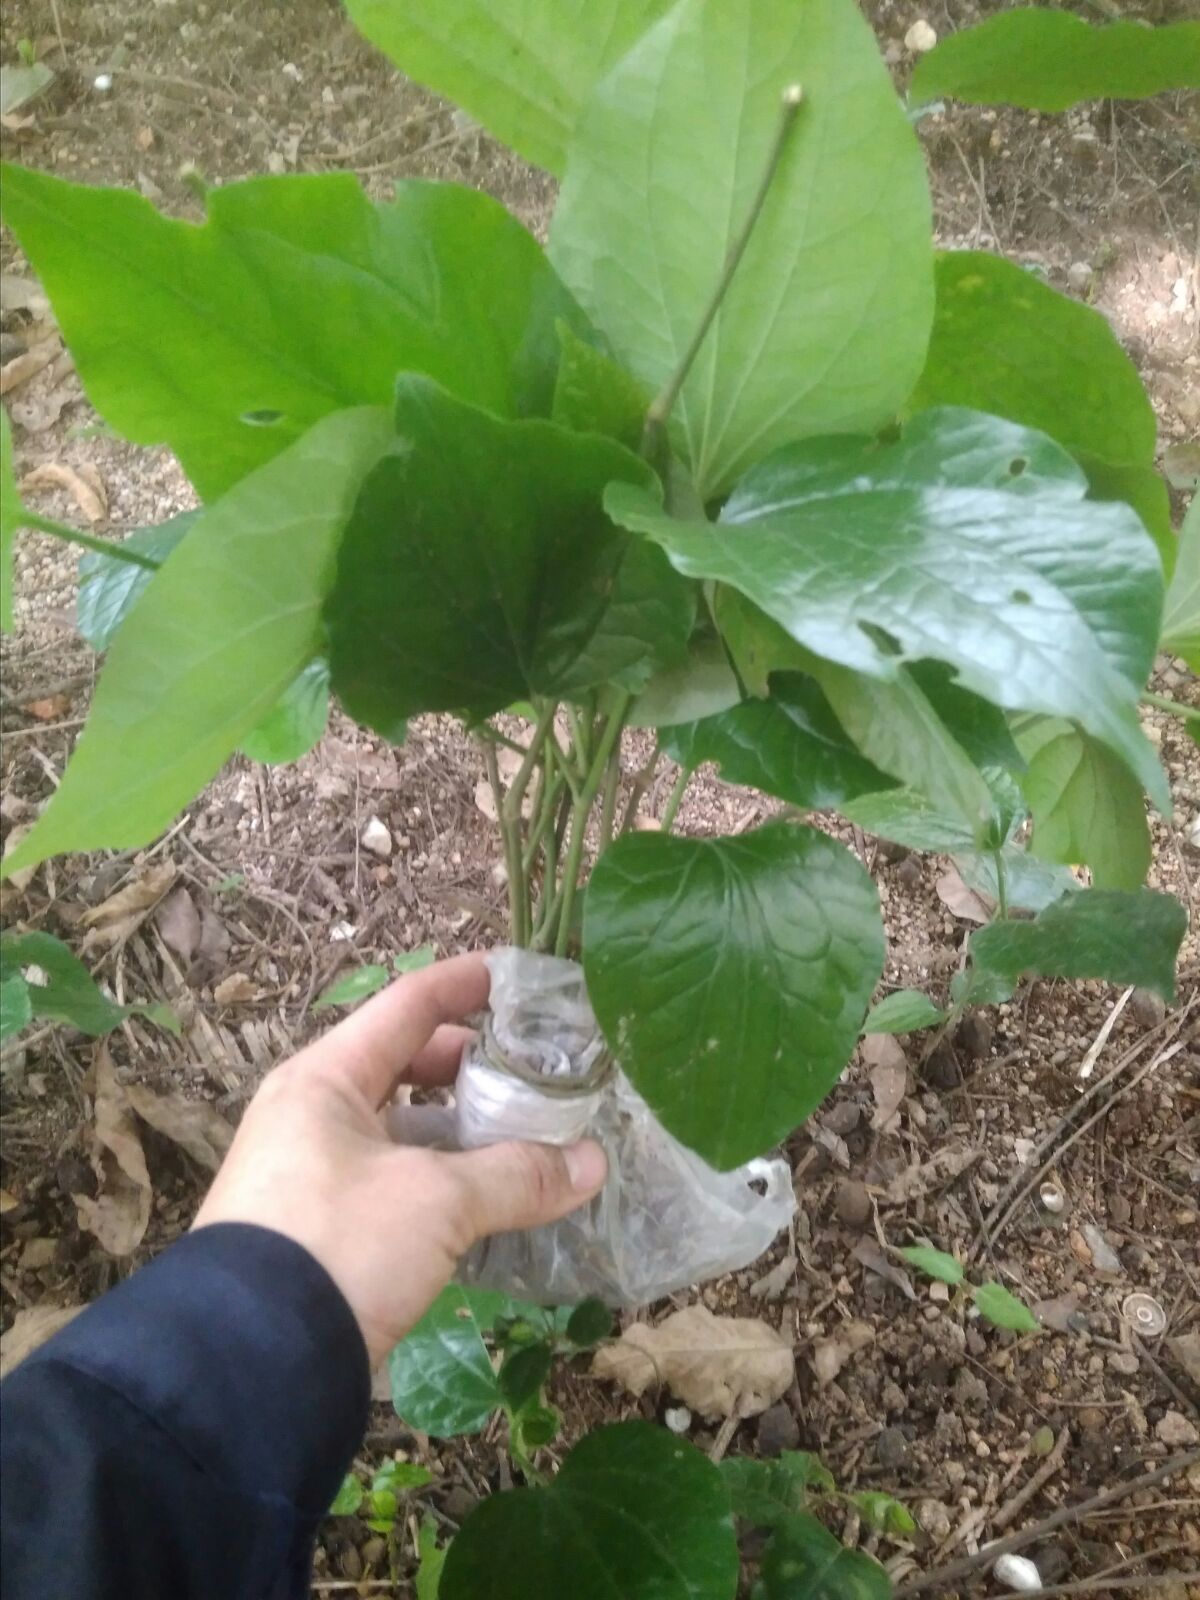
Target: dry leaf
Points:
x,y
834,1144
236,989
179,923
193,1125
85,487
879,1262
121,1209
830,1355
917,1179
1061,1313
773,1284
30,1329
485,800
966,904
114,919
719,1366
8,1201
14,122
889,1076
50,709
144,138
23,367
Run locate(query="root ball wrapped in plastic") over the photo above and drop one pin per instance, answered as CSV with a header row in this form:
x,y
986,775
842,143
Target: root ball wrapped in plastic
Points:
x,y
665,1219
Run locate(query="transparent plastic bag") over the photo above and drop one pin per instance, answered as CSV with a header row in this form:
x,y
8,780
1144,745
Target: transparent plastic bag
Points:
x,y
664,1219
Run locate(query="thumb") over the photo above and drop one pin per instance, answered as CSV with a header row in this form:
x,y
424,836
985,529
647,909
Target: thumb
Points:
x,y
522,1185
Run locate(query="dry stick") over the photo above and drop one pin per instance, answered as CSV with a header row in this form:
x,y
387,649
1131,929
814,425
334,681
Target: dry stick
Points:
x,y
939,1577
1088,1065
1027,1491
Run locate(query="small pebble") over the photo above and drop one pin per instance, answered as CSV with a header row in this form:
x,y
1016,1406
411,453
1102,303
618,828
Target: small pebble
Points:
x,y
1079,276
891,1449
777,1431
920,38
677,1418
853,1203
1018,1573
974,1036
1176,1431
1149,1008
1124,1362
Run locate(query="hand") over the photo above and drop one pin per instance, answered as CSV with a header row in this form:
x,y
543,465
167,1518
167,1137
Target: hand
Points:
x,y
388,1223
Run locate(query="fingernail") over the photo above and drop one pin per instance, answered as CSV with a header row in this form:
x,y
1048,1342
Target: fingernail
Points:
x,y
587,1165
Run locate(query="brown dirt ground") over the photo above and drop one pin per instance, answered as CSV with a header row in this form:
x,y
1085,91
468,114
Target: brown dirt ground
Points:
x,y
942,1412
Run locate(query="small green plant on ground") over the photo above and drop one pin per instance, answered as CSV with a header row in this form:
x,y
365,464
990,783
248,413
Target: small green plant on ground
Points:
x,y
738,459
998,1305
40,978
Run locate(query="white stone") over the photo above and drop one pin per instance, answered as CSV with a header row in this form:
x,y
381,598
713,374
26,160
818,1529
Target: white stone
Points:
x,y
103,83
677,1418
920,38
1017,1572
376,838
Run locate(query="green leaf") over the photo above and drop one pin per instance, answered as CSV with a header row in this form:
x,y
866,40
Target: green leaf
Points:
x,y
589,1323
414,960
1006,343
16,1008
69,994
478,564
109,589
442,1377
242,595
1041,602
633,1511
521,67
21,83
594,395
536,1426
1098,933
1047,60
348,1498
297,720
903,1011
10,521
382,1506
824,327
523,1373
770,1493
805,1562
161,1015
909,819
400,1477
934,1263
791,745
430,1559
1002,1309
355,986
702,686
708,960
219,340
1031,884
1181,615
1086,807
883,1511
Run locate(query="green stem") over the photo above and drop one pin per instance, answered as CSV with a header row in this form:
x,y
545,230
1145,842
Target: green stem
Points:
x,y
1173,708
1001,885
641,782
518,895
654,435
59,530
520,783
608,805
543,817
582,809
673,799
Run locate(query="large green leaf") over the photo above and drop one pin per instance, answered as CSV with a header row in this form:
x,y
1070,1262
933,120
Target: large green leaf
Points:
x,y
804,1561
1041,602
790,745
634,1511
298,296
220,633
522,67
1097,933
442,1377
1181,614
731,977
769,1493
68,994
478,566
109,589
1086,807
594,395
702,686
825,325
1007,343
1048,60
296,721
10,521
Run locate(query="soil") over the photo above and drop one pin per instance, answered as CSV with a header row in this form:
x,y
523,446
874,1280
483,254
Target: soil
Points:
x,y
934,1406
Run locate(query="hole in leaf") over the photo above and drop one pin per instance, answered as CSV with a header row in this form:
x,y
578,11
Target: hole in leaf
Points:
x,y
886,643
1021,597
266,418
1017,466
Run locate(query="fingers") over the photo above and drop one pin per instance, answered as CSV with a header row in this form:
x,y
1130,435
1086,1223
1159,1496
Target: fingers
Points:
x,y
438,1062
520,1185
375,1045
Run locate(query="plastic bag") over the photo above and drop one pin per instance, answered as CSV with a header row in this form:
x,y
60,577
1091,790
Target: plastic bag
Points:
x,y
664,1219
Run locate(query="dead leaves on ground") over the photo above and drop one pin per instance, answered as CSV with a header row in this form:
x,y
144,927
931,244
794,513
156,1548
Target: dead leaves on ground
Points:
x,y
119,1212
113,920
84,484
719,1366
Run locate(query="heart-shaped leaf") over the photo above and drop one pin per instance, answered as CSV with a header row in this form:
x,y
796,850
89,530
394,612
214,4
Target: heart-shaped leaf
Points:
x,y
634,1510
903,1011
731,977
1041,602
1048,60
824,327
218,340
805,1562
770,1493
791,745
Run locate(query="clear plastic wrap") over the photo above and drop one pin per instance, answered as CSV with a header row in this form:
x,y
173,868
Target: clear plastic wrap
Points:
x,y
664,1219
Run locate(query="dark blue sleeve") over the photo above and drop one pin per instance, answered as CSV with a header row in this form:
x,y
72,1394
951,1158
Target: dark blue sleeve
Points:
x,y
183,1436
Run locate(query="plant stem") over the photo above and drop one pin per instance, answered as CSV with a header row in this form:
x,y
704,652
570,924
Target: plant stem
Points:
x,y
654,435
1001,885
518,894
520,783
1174,708
673,799
579,820
641,782
59,530
608,805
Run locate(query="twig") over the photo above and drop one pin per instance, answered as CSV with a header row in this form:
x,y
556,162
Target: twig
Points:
x,y
59,530
62,43
940,1577
671,809
1088,1065
1027,1491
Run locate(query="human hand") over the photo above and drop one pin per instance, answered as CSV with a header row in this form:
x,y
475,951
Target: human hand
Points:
x,y
388,1222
